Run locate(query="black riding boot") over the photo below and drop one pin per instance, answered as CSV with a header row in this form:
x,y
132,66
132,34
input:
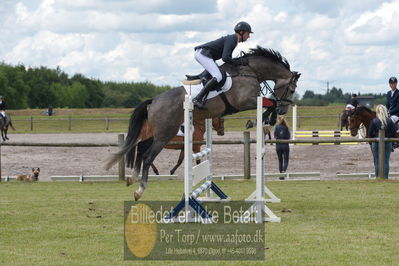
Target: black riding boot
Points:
x,y
198,76
198,101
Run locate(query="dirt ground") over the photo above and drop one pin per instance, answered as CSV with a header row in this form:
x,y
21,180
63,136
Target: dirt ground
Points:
x,y
228,159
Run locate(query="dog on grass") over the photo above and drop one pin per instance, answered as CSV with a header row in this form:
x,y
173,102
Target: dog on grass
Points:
x,y
31,177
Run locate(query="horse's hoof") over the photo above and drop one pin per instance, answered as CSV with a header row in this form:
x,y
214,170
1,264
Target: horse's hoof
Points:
x,y
137,196
129,181
172,172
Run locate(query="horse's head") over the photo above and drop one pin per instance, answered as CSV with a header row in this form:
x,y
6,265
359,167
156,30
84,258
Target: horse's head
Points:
x,y
354,120
218,125
284,90
358,116
268,64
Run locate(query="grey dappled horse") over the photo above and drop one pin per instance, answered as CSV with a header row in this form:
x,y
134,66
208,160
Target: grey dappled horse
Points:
x,y
164,113
4,127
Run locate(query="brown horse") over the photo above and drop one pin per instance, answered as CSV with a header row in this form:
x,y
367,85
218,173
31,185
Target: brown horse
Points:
x,y
267,129
198,135
360,115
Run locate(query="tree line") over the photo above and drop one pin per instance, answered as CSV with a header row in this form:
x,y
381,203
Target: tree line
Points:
x,y
41,87
334,96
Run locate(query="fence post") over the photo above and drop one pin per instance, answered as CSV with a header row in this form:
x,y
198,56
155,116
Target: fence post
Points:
x,y
31,123
381,153
247,156
121,172
69,123
106,123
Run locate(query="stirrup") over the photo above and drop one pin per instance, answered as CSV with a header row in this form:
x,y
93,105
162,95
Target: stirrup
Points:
x,y
199,104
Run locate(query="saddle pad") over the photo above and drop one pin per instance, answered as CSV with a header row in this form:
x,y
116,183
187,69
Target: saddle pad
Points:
x,y
193,90
191,82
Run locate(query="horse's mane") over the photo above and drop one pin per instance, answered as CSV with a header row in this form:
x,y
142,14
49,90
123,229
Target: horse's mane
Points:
x,y
363,108
270,54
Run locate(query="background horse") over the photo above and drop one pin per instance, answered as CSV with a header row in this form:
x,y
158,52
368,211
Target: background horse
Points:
x,y
164,113
343,117
267,129
198,135
360,115
4,127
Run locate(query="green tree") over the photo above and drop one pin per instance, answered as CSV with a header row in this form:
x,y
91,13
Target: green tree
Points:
x,y
95,93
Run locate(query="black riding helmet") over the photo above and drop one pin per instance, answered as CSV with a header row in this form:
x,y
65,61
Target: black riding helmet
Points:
x,y
242,26
393,80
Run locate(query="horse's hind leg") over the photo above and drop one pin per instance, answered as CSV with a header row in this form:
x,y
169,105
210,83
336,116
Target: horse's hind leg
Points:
x,y
148,157
142,147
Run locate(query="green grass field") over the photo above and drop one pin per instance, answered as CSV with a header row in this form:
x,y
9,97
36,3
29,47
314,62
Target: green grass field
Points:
x,y
94,120
331,223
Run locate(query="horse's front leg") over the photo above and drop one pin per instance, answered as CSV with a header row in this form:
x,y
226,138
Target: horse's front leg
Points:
x,y
179,161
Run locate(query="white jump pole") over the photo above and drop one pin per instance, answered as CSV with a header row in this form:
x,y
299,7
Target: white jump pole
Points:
x,y
258,196
188,147
294,121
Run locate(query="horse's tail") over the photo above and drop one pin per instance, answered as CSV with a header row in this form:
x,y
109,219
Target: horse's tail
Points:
x,y
137,119
11,125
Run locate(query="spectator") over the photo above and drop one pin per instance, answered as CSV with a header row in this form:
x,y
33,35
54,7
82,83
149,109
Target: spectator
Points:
x,y
283,149
393,100
383,122
50,111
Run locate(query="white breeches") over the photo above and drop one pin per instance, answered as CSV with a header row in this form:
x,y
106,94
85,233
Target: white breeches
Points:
x,y
209,64
394,119
3,113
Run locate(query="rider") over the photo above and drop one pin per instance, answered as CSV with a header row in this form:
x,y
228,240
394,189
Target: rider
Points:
x,y
393,100
2,109
222,48
353,103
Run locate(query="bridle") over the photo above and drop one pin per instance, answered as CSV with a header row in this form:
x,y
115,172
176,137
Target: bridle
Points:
x,y
281,101
360,126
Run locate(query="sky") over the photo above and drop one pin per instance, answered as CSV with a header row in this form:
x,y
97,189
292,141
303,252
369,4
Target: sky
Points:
x,y
352,45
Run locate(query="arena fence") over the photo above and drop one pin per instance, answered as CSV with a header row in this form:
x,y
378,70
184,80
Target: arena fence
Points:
x,y
69,122
246,142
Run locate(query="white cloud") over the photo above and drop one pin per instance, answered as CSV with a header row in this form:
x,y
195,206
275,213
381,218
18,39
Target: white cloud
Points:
x,y
353,43
377,27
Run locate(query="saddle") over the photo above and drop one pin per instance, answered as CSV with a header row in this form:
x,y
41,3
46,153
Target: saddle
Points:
x,y
203,78
223,86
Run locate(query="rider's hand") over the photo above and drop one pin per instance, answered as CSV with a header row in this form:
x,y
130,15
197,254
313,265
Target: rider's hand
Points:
x,y
241,61
244,61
